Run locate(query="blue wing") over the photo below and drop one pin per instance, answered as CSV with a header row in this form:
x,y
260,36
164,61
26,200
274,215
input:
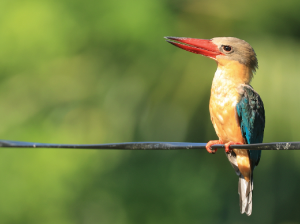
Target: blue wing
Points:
x,y
251,116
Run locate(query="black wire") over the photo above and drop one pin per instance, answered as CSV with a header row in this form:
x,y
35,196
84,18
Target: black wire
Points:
x,y
151,145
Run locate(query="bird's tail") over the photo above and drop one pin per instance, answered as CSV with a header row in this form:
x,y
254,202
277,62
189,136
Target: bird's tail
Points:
x,y
245,188
245,192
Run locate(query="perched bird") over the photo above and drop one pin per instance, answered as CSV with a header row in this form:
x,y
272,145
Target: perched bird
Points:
x,y
236,110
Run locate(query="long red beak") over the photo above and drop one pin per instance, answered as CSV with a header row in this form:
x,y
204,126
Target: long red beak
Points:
x,y
197,46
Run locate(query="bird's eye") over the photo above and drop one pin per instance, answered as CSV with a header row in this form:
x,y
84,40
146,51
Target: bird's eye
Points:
x,y
227,48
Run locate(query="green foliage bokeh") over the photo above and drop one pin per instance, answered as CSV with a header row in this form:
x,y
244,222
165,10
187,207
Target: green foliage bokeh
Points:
x,y
87,72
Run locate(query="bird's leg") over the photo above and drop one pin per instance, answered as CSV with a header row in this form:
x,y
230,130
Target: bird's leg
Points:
x,y
228,144
210,143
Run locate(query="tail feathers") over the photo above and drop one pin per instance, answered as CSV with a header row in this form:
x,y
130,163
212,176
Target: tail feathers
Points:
x,y
245,192
245,188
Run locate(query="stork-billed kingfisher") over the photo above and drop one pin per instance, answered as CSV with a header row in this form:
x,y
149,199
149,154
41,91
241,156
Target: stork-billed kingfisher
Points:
x,y
236,110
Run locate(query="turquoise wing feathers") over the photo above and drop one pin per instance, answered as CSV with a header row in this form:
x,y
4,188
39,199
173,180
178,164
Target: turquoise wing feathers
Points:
x,y
251,115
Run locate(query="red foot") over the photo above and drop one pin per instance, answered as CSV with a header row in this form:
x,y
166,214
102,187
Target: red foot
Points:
x,y
210,143
227,149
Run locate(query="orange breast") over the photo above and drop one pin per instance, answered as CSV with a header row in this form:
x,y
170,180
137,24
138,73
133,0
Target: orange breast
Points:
x,y
223,114
222,107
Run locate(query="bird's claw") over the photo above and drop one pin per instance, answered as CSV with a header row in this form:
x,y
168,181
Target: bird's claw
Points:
x,y
210,143
228,144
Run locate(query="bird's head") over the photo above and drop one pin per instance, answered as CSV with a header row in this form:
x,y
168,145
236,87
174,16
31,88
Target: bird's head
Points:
x,y
221,49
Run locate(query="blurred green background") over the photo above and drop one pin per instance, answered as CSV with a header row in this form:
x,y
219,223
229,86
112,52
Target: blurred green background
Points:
x,y
88,72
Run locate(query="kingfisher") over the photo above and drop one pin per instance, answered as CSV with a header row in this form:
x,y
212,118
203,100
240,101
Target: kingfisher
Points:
x,y
236,110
